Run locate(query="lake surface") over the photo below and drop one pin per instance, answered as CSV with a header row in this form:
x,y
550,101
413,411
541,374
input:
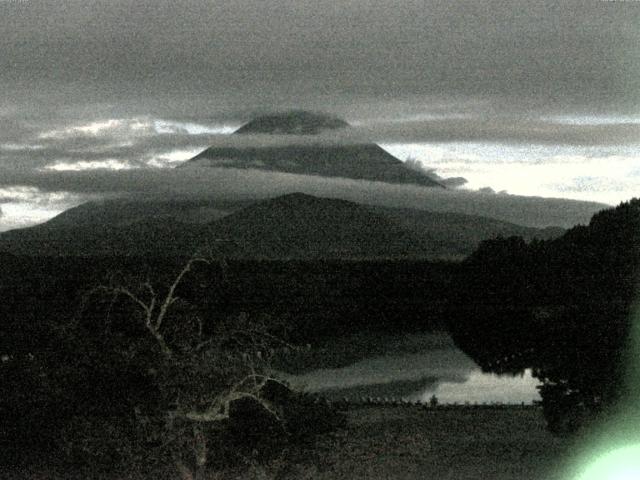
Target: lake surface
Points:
x,y
415,368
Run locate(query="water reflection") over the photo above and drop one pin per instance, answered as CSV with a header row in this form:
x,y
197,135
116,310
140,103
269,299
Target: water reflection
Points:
x,y
445,372
482,387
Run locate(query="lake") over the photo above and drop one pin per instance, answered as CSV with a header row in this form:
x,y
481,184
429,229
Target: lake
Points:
x,y
412,367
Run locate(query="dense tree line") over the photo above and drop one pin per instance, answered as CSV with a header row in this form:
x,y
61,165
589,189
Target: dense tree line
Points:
x,y
562,307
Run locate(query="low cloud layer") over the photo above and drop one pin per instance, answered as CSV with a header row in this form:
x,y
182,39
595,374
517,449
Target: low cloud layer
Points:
x,y
536,98
543,170
24,206
552,157
138,140
417,165
224,183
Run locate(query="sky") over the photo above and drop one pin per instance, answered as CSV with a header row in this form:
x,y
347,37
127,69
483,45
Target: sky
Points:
x,y
528,98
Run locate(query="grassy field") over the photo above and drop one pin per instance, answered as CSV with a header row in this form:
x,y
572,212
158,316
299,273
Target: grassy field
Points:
x,y
405,443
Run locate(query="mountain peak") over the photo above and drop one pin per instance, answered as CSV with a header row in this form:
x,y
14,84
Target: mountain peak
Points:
x,y
297,197
361,161
293,122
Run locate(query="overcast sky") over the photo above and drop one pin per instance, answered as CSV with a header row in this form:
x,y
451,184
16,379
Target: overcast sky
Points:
x,y
535,98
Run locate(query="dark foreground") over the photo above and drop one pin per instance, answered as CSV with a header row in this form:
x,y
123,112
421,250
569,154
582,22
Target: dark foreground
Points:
x,y
412,443
405,443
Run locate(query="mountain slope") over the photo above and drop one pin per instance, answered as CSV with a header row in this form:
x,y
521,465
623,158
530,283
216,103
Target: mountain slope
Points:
x,y
302,226
456,235
363,161
290,226
123,212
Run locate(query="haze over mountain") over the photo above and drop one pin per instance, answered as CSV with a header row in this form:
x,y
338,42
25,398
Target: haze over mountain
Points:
x,y
538,99
270,155
236,220
360,161
290,226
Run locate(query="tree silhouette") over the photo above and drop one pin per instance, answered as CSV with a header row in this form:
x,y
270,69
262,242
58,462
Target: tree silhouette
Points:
x,y
561,307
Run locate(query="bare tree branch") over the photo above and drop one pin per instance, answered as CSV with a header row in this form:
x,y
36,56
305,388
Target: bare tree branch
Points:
x,y
170,298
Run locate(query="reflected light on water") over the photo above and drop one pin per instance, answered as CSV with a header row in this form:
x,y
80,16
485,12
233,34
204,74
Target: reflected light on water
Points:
x,y
484,387
447,373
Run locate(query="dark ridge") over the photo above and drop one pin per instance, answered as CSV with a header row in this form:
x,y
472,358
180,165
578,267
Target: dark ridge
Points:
x,y
295,225
302,226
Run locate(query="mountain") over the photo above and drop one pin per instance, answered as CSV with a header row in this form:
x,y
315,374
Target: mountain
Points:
x,y
303,226
361,161
294,122
290,226
123,212
456,235
299,225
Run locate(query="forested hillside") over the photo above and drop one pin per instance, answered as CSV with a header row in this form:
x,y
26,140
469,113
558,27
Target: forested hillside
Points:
x,y
562,307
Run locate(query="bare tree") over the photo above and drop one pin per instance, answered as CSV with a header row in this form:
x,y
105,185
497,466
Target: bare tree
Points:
x,y
201,380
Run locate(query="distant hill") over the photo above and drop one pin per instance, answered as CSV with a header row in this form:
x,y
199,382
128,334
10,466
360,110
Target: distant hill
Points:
x,y
290,226
302,226
124,212
456,235
364,161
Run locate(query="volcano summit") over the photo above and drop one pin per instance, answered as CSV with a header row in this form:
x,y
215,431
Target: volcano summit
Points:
x,y
365,161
